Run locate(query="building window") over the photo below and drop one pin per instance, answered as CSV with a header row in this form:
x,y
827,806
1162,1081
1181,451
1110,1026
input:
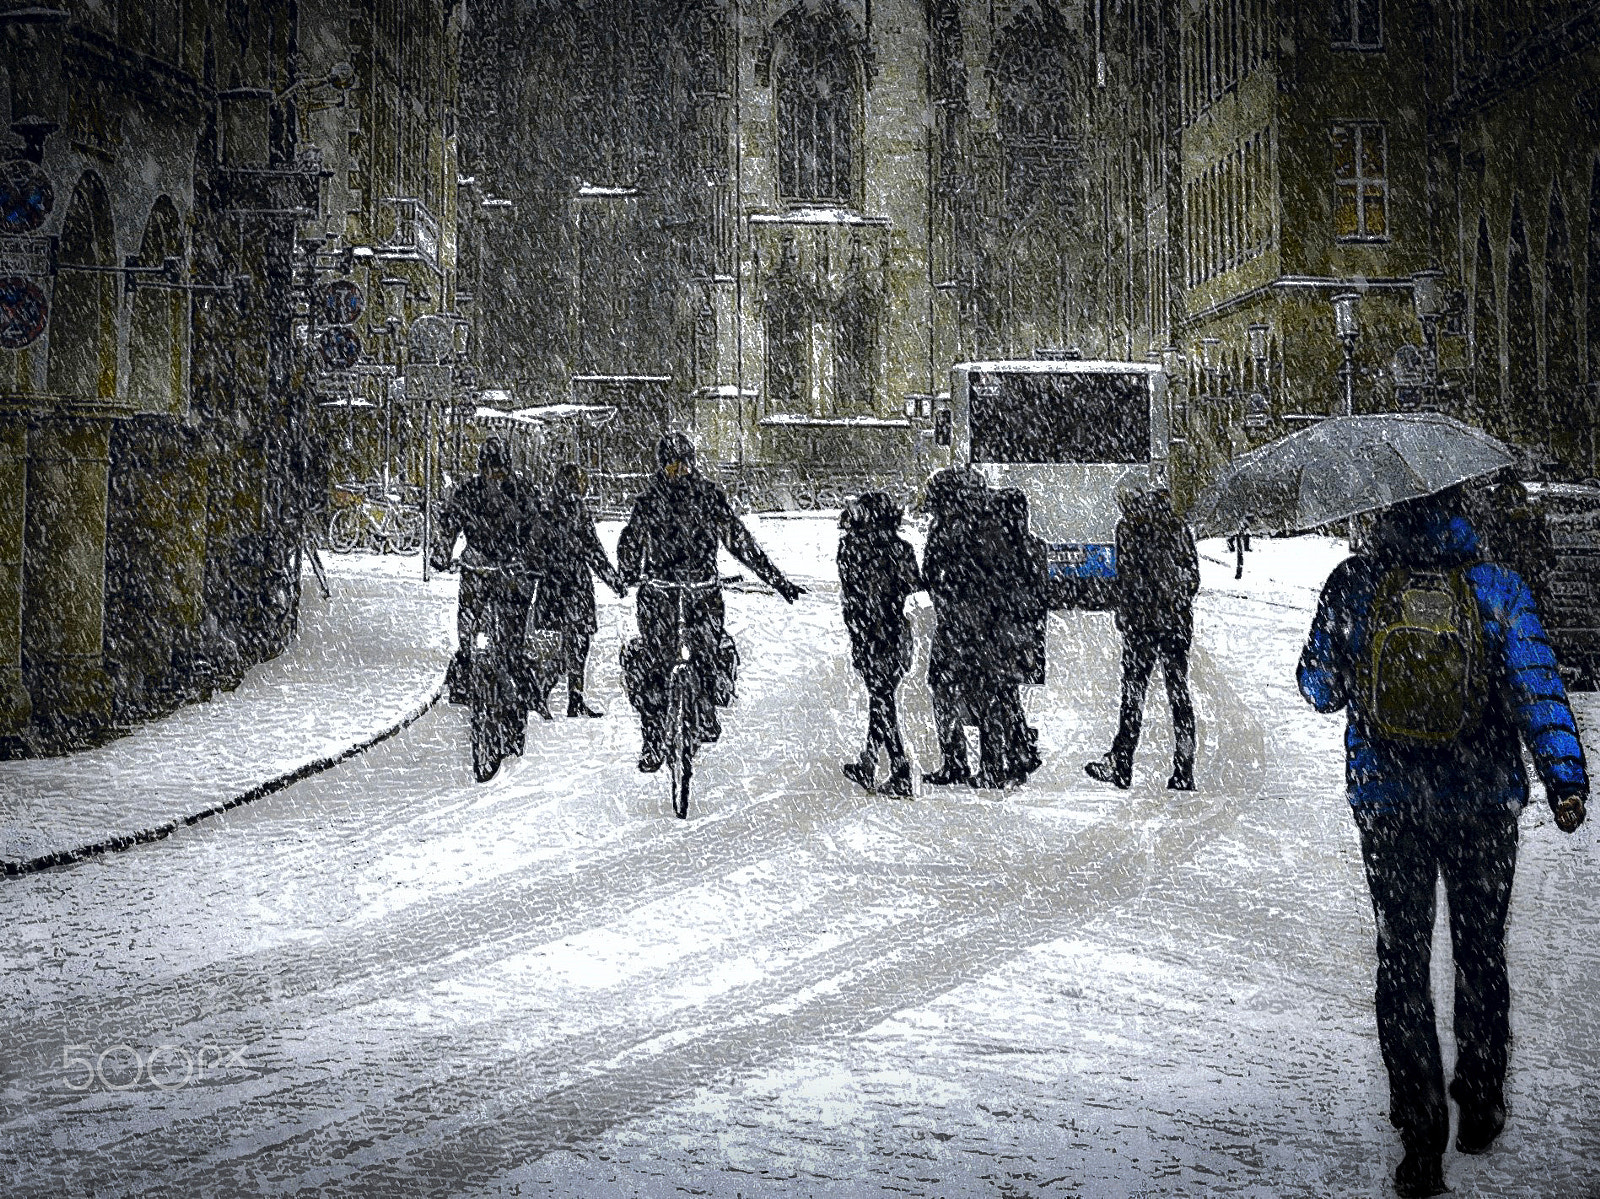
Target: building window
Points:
x,y
1358,24
816,113
1360,183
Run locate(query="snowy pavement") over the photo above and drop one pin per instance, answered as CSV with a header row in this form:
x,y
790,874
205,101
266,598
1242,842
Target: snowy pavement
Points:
x,y
366,660
389,980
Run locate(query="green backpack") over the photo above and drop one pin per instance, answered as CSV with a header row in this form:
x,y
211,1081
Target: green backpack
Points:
x,y
1424,677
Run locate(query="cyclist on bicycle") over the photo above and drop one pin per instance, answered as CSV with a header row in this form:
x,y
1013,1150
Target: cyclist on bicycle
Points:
x,y
672,537
498,513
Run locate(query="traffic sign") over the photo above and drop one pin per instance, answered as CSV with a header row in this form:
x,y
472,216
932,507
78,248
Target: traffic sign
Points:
x,y
339,347
342,303
23,311
26,196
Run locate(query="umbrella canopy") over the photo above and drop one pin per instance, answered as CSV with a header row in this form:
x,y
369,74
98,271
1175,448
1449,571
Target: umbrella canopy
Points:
x,y
1342,467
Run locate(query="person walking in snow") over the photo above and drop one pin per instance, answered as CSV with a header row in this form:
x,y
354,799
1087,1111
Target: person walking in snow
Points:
x,y
571,556
877,574
962,658
1442,667
1158,574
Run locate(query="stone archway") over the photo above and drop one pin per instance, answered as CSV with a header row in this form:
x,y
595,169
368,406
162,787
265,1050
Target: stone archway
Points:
x,y
63,589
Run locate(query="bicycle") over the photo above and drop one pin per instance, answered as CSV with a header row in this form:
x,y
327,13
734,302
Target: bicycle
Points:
x,y
683,696
382,522
499,720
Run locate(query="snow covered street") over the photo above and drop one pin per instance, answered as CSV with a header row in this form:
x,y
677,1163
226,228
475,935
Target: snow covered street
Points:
x,y
388,979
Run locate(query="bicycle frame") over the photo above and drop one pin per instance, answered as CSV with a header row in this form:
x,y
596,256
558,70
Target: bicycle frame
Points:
x,y
681,682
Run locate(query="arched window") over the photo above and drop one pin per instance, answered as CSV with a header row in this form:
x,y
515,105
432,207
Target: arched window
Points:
x,y
83,333
818,90
159,328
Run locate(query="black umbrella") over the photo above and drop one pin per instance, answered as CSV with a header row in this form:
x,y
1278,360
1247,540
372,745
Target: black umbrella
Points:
x,y
1342,467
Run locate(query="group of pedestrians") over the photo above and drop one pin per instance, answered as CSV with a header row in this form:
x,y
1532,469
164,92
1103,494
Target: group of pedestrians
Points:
x,y
988,578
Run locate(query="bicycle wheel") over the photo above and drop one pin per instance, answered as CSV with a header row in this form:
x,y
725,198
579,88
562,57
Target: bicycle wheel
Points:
x,y
345,530
486,747
680,740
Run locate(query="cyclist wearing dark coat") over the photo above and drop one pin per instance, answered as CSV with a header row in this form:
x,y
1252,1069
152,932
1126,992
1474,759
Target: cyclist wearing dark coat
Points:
x,y
877,574
570,556
672,535
1158,574
497,512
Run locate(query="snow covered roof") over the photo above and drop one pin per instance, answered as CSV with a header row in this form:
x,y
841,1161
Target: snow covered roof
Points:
x,y
595,412
496,397
590,191
818,215
835,422
348,403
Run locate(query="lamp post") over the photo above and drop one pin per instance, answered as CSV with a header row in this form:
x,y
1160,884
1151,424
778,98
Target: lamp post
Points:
x,y
1429,301
1348,330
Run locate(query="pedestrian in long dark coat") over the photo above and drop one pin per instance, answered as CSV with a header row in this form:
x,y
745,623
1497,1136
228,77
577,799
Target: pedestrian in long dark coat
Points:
x,y
961,660
877,573
1023,570
570,555
1158,574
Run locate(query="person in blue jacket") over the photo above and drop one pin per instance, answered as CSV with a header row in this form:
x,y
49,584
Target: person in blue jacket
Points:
x,y
1423,811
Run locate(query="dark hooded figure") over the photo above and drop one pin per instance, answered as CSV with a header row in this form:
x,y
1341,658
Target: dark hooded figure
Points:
x,y
1158,574
1021,571
1445,807
672,536
1516,536
498,513
962,662
571,554
877,573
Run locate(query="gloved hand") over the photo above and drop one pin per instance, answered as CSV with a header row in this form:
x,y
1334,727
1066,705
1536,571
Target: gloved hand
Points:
x,y
790,591
1569,811
620,588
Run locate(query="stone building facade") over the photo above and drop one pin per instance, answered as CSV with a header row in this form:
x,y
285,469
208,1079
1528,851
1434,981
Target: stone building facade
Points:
x,y
167,193
780,222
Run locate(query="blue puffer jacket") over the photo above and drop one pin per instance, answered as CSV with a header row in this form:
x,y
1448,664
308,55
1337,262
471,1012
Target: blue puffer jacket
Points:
x,y
1483,768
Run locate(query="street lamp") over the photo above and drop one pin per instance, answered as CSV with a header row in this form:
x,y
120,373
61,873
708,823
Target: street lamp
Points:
x,y
1348,330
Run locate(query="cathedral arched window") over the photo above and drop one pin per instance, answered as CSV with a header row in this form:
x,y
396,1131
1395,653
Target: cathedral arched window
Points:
x,y
818,92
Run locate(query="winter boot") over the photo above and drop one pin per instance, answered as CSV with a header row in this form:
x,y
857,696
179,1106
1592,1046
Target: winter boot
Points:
x,y
858,773
654,753
898,784
1480,1121
538,702
949,772
1419,1175
1182,777
1109,770
576,706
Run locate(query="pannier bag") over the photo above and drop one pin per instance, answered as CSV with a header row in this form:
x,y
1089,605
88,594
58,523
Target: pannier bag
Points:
x,y
1423,678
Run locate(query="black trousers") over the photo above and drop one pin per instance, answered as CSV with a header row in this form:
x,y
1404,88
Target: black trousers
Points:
x,y
1476,854
574,661
1140,653
883,723
980,701
488,604
648,659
